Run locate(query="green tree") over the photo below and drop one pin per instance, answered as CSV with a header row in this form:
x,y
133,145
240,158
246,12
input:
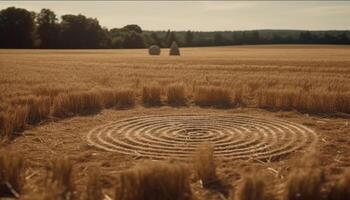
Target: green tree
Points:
x,y
343,39
77,31
133,27
48,29
306,37
106,39
255,37
276,38
236,37
117,42
189,38
156,39
133,40
250,37
170,39
218,39
16,28
166,39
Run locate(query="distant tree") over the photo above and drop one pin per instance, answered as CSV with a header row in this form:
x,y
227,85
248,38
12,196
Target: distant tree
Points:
x,y
343,39
73,31
81,32
133,27
166,39
16,28
106,39
133,40
156,40
255,37
327,38
305,37
115,32
218,39
290,40
117,42
236,37
20,28
276,38
148,40
245,37
250,37
167,34
48,29
189,38
171,37
94,34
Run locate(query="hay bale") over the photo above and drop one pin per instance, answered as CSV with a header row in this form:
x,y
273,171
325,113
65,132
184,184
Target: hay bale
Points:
x,y
154,50
174,49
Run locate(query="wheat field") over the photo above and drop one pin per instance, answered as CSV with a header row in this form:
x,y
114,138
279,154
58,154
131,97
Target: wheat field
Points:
x,y
84,124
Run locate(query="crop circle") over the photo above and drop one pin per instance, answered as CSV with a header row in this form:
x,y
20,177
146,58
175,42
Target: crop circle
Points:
x,y
178,136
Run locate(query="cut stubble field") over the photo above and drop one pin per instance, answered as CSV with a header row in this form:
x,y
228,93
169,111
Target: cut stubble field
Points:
x,y
261,107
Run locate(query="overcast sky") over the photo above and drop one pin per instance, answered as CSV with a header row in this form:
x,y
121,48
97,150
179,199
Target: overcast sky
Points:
x,y
204,15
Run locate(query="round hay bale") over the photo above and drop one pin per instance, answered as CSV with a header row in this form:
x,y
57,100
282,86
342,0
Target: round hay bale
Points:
x,y
174,49
154,50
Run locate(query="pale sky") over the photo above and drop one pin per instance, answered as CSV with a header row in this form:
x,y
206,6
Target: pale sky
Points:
x,y
204,15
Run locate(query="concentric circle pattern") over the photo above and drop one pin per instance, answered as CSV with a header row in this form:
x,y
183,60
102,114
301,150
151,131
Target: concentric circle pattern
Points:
x,y
178,136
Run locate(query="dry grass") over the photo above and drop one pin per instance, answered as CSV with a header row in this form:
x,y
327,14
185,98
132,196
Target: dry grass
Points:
x,y
204,165
59,179
108,98
51,191
11,174
5,126
258,77
176,95
313,79
125,98
68,104
48,91
151,95
341,190
306,180
33,110
38,109
306,101
2,125
252,187
238,99
30,111
94,187
17,119
304,184
156,181
213,96
65,105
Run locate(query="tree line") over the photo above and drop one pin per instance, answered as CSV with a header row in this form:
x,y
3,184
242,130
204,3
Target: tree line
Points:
x,y
20,28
